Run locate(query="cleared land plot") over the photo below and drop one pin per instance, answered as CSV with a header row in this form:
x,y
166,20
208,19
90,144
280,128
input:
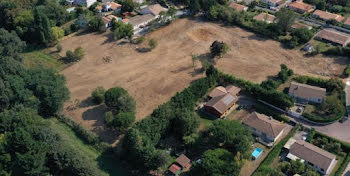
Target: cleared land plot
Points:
x,y
153,77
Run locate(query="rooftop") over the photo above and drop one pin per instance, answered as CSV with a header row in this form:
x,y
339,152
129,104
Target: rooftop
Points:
x,y
334,36
264,124
174,168
312,154
306,91
222,103
347,21
238,7
155,9
265,17
328,16
183,161
136,20
299,5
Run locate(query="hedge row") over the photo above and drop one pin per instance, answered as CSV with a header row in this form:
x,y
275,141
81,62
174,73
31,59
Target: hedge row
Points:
x,y
329,84
276,150
344,145
319,119
263,109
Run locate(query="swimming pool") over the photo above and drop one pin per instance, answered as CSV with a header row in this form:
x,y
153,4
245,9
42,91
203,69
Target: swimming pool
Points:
x,y
257,152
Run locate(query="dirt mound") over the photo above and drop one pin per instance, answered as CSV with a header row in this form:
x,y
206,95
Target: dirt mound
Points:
x,y
201,34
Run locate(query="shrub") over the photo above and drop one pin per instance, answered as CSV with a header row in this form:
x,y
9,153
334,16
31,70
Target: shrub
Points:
x,y
217,49
122,120
75,56
118,99
98,95
139,40
59,47
152,43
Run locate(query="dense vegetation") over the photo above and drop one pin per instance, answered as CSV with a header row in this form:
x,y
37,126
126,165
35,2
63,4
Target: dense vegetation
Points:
x,y
34,21
281,78
28,144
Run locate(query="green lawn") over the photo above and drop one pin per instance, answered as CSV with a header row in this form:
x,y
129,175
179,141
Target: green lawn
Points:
x,y
43,58
105,162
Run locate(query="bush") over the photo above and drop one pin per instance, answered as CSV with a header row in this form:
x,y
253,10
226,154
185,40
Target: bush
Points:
x,y
75,56
217,49
347,71
138,40
152,43
98,95
120,121
59,47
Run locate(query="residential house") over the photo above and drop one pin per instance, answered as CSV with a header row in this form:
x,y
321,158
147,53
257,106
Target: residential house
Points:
x,y
218,91
88,3
301,7
298,25
181,163
347,22
268,18
308,48
109,6
321,160
272,3
306,93
140,21
327,16
154,10
238,7
266,128
222,100
107,21
334,37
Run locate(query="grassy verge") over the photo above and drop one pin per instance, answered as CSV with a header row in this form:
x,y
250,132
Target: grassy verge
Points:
x,y
106,163
43,58
339,171
339,164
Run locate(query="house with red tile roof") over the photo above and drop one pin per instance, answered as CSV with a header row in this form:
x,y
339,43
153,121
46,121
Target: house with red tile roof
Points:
x,y
323,15
334,37
268,18
301,7
238,7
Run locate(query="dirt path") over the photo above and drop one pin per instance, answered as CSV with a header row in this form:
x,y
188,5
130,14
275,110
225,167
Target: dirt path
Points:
x,y
153,77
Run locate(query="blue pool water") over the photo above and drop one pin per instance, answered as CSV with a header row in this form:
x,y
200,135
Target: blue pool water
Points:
x,y
120,18
257,152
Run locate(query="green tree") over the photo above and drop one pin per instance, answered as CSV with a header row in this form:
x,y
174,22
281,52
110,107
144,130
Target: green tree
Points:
x,y
219,162
98,95
118,99
122,30
122,120
10,45
43,32
232,136
332,105
128,6
302,35
57,33
59,47
96,24
185,123
285,19
217,49
49,87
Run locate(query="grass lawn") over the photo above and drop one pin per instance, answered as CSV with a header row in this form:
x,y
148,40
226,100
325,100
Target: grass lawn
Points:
x,y
309,109
106,163
43,58
205,120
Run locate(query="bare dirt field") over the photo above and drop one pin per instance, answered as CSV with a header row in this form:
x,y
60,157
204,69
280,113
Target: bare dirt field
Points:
x,y
153,77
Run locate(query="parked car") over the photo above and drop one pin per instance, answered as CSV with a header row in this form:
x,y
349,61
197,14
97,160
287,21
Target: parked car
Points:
x,y
343,119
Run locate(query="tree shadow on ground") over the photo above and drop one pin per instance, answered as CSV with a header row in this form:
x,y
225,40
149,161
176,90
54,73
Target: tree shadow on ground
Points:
x,y
86,103
109,162
109,36
257,37
143,50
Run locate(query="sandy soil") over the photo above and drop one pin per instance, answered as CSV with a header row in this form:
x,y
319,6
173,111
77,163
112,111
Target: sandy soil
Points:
x,y
153,77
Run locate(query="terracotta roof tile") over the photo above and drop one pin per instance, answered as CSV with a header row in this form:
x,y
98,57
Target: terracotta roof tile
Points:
x,y
183,161
238,7
328,16
334,36
265,17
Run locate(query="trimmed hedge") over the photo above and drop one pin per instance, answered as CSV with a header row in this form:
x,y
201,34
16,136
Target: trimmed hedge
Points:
x,y
276,151
319,119
344,145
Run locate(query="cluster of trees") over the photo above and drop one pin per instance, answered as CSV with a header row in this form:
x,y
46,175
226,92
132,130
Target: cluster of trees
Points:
x,y
329,145
281,78
217,49
29,145
297,167
334,6
96,24
175,117
34,21
300,36
122,30
76,55
122,106
333,84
